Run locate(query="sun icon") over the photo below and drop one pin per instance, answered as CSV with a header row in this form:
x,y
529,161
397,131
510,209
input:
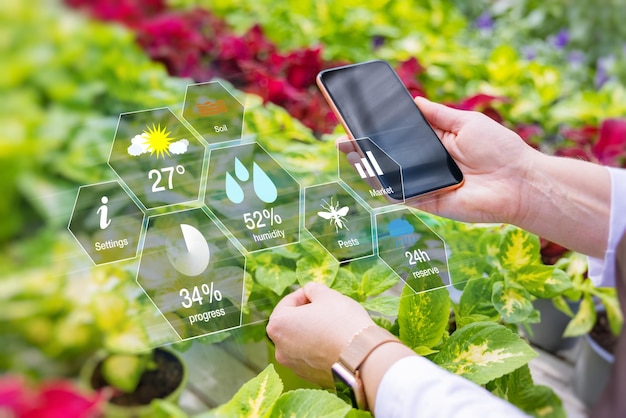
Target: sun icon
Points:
x,y
157,140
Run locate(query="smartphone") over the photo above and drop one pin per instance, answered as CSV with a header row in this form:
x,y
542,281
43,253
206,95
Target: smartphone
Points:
x,y
370,101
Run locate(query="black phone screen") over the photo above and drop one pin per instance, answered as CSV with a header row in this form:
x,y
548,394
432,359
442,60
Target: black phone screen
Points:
x,y
374,103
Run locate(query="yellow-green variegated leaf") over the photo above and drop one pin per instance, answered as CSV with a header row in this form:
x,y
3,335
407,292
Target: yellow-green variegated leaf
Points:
x,y
254,399
518,249
562,305
423,317
608,297
275,277
538,401
309,403
466,265
512,304
321,270
584,319
542,281
484,351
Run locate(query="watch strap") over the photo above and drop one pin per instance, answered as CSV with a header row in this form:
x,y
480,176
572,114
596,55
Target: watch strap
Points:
x,y
363,344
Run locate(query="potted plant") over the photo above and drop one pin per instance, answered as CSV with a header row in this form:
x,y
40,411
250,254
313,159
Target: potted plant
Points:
x,y
557,312
133,381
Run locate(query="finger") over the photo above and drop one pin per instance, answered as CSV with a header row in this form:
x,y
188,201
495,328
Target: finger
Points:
x,y
345,145
294,299
315,291
441,116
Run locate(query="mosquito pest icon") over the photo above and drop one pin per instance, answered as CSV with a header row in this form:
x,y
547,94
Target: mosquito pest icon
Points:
x,y
335,214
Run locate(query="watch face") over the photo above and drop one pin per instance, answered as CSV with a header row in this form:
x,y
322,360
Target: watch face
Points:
x,y
345,385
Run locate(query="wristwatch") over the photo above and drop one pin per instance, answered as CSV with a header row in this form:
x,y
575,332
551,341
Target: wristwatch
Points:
x,y
346,374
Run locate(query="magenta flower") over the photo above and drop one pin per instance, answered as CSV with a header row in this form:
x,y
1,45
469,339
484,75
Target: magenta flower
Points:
x,y
52,399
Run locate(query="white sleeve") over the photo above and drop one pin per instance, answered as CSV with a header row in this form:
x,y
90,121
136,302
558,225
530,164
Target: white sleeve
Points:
x,y
416,387
602,271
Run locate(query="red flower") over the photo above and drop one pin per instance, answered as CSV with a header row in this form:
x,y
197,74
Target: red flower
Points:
x,y
605,145
529,132
482,103
302,67
408,71
129,12
551,252
170,39
611,146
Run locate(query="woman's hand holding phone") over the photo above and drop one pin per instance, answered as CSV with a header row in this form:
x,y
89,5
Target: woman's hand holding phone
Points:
x,y
495,161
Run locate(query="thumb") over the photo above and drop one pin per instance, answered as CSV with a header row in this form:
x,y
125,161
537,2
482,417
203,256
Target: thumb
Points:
x,y
441,116
314,290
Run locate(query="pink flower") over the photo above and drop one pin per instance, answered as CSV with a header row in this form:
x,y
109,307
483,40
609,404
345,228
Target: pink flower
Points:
x,y
52,399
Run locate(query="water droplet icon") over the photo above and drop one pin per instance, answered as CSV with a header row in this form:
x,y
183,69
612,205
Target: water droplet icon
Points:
x,y
241,171
263,185
234,192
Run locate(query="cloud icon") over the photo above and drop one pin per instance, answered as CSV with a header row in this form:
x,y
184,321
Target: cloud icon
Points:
x,y
399,227
138,146
179,147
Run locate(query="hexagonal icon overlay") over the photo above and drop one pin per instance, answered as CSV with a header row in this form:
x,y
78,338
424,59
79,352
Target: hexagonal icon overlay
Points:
x,y
157,157
192,273
106,222
254,197
213,111
413,250
370,172
341,224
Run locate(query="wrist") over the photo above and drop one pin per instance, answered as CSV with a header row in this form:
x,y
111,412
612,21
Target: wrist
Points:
x,y
525,186
347,370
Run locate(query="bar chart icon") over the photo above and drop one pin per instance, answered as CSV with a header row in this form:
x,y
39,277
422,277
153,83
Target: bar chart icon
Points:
x,y
368,167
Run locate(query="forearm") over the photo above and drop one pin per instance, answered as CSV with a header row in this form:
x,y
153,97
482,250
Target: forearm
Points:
x,y
377,364
566,201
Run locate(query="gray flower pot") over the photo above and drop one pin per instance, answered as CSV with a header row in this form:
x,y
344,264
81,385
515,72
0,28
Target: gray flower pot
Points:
x,y
548,334
592,370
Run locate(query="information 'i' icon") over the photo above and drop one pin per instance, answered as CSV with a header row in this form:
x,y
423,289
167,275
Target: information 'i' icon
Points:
x,y
103,211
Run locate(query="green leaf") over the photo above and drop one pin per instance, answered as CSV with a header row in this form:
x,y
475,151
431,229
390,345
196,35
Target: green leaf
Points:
x,y
311,403
476,298
160,408
377,279
254,399
465,266
313,269
518,249
539,401
124,370
608,297
513,304
347,283
584,319
424,351
423,317
387,305
483,351
275,277
561,304
543,281
358,413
